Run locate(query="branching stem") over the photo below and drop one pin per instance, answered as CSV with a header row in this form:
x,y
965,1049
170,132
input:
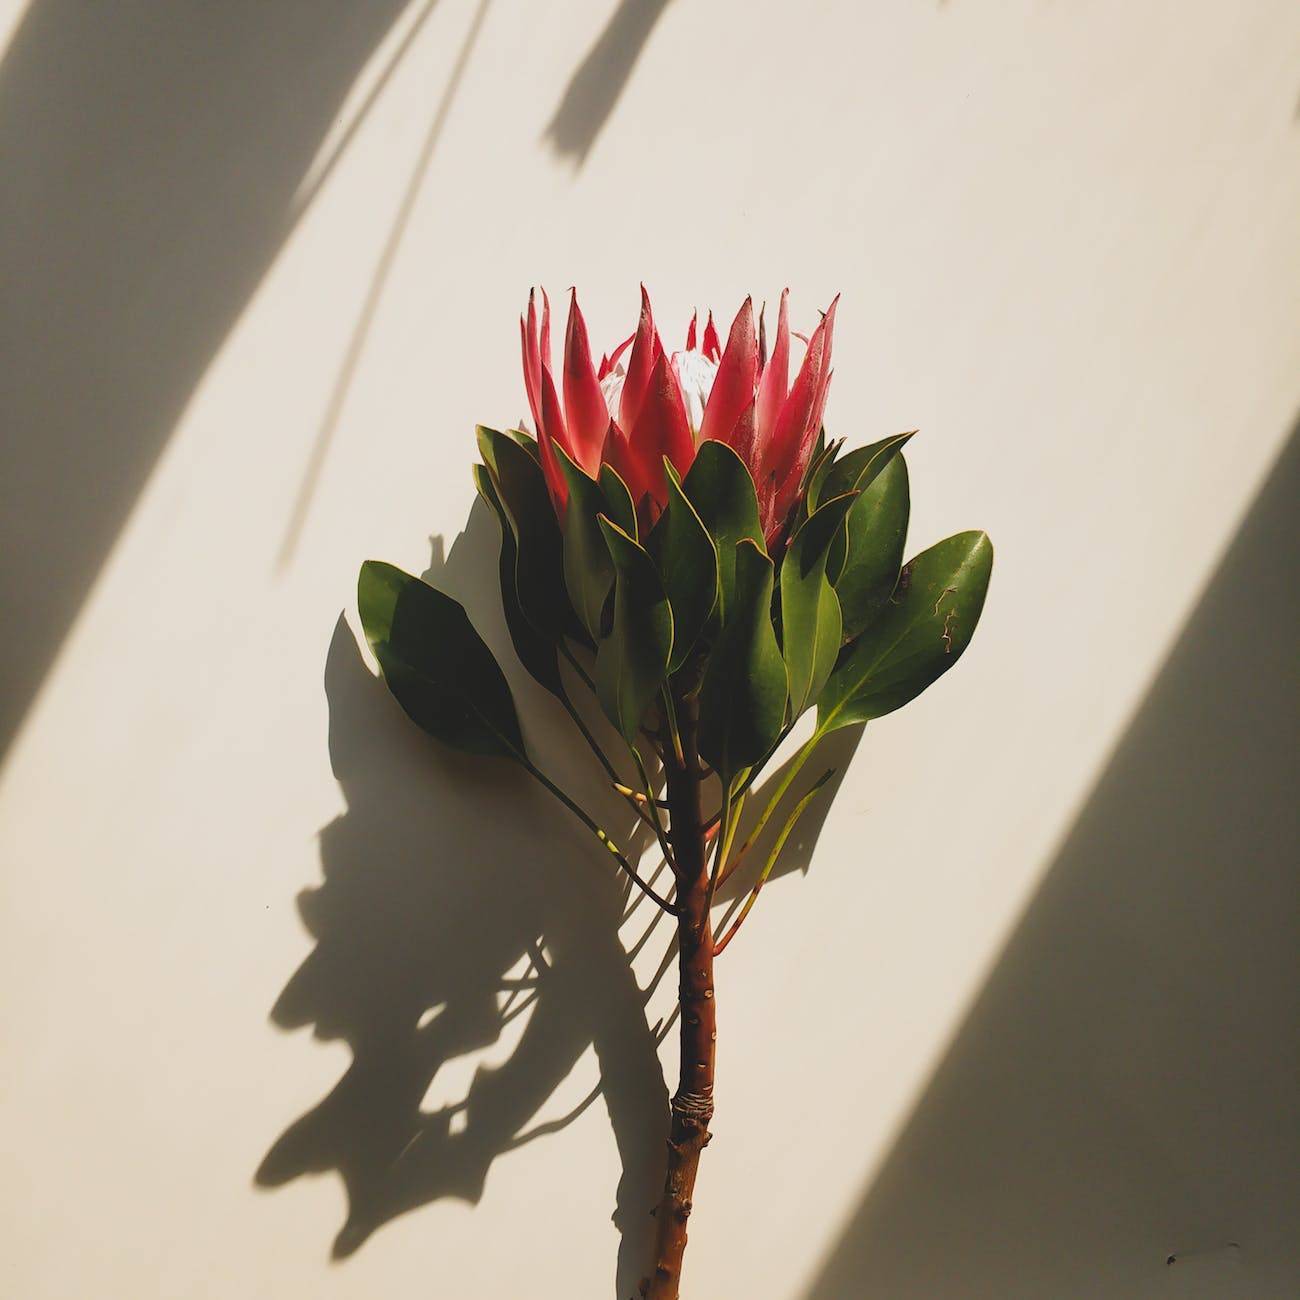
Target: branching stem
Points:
x,y
581,814
771,860
787,780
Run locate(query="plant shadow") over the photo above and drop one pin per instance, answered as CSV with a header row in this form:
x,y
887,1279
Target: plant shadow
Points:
x,y
443,929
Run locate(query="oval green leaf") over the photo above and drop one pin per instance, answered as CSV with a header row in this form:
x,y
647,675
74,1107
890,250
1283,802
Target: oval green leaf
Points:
x,y
868,552
922,632
618,497
743,695
539,547
536,652
436,664
683,551
811,624
720,488
588,570
632,662
858,469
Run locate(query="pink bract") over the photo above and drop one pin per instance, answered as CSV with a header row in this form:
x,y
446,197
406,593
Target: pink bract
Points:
x,y
631,416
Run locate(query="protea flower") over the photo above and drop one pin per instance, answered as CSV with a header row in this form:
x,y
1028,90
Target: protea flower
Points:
x,y
631,416
707,578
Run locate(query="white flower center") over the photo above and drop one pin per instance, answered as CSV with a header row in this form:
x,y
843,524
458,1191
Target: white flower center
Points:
x,y
695,373
612,388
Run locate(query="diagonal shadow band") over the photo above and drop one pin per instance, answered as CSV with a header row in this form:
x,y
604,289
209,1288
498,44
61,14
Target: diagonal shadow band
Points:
x,y
1117,1115
594,90
152,156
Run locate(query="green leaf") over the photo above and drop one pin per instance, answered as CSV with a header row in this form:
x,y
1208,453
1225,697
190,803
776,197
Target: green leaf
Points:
x,y
536,652
588,570
920,634
818,468
810,611
436,664
622,509
742,698
858,469
718,485
539,547
632,662
683,551
526,441
868,551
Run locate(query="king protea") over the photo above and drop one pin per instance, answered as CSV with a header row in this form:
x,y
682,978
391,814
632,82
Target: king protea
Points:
x,y
633,414
710,575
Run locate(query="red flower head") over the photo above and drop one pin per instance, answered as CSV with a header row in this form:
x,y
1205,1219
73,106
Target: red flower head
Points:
x,y
632,415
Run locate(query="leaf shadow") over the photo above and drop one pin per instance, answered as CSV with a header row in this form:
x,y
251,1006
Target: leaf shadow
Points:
x,y
445,931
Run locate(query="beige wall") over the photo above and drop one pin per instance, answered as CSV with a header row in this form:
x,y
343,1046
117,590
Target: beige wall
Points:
x,y
262,268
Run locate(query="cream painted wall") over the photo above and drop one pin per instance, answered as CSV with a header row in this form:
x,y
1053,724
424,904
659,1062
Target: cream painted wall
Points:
x,y
1066,239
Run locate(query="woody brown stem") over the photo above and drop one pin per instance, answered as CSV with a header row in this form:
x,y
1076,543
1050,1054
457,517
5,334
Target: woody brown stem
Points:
x,y
692,1105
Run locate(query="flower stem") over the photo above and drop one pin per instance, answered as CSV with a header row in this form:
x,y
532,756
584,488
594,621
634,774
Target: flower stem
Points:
x,y
789,826
692,1104
580,813
792,771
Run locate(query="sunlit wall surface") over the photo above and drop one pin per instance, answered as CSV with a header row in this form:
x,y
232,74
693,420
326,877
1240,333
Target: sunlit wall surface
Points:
x,y
260,942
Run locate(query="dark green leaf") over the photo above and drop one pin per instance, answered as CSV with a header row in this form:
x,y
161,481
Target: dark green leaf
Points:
x,y
436,664
622,509
526,441
536,652
818,468
718,485
588,570
857,469
682,549
742,698
920,634
868,551
810,612
632,662
539,548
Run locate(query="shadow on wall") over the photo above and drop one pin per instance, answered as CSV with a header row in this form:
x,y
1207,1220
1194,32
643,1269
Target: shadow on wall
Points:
x,y
1117,1117
442,926
152,156
595,88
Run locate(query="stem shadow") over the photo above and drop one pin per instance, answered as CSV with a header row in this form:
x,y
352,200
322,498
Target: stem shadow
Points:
x,y
443,929
470,960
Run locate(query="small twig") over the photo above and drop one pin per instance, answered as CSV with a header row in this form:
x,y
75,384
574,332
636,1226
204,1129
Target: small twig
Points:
x,y
670,721
731,811
652,813
637,797
793,770
576,666
592,743
599,833
771,860
638,802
